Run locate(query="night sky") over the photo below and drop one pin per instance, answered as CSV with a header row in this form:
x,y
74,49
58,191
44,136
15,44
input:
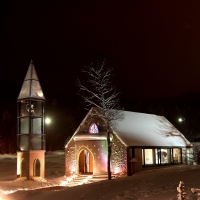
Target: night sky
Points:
x,y
153,46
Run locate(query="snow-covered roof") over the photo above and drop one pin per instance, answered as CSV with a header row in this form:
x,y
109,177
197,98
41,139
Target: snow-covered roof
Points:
x,y
140,129
31,86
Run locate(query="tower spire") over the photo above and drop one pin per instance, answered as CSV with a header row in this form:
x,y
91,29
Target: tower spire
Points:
x,y
31,87
31,138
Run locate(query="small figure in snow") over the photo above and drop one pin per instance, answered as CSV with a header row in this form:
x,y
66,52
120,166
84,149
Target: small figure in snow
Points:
x,y
180,189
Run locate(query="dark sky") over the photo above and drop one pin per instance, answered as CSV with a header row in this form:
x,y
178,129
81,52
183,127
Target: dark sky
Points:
x,y
153,46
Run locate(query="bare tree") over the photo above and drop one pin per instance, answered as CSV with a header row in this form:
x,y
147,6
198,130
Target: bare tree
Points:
x,y
98,91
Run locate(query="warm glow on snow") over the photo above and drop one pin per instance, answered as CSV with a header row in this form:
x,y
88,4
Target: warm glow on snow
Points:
x,y
9,191
147,184
63,183
69,179
85,180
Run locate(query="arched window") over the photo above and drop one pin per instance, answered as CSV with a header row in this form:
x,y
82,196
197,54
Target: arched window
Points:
x,y
93,128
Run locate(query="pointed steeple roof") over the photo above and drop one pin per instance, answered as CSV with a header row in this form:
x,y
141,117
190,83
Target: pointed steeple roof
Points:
x,y
31,87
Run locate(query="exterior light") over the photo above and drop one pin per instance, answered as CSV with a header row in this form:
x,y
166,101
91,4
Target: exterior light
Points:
x,y
40,94
181,119
47,120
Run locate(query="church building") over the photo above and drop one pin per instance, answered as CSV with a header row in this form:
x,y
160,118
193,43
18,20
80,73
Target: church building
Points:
x,y
138,140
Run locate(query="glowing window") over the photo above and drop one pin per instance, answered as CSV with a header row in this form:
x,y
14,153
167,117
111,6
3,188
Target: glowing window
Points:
x,y
93,128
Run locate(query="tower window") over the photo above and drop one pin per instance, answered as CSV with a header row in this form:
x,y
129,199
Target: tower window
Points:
x,y
93,128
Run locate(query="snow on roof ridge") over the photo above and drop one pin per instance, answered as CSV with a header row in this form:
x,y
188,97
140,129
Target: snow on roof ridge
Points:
x,y
144,129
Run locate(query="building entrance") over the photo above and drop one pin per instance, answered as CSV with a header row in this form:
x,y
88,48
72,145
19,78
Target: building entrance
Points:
x,y
85,162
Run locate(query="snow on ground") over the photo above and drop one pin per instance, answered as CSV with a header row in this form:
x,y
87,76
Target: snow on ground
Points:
x,y
151,184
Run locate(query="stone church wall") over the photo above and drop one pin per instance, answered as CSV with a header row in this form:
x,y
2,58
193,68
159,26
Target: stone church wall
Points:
x,y
70,159
118,157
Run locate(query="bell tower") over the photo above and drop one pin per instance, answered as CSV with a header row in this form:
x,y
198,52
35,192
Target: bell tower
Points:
x,y
30,127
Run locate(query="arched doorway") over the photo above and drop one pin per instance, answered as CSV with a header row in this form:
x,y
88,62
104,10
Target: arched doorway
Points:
x,y
36,168
23,168
85,162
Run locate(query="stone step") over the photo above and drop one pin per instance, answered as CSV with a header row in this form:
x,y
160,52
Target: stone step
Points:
x,y
85,179
79,180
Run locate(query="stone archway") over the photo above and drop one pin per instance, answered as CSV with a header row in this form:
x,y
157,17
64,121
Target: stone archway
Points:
x,y
23,168
85,162
36,168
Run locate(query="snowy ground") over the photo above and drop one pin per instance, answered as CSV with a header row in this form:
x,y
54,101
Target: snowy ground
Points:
x,y
152,184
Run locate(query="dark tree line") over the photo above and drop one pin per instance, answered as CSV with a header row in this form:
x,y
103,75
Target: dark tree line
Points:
x,y
67,116
64,121
7,133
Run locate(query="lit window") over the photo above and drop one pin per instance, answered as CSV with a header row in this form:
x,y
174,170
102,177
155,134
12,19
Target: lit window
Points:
x,y
93,128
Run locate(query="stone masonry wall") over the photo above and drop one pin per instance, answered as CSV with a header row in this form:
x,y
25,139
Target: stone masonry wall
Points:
x,y
118,157
70,159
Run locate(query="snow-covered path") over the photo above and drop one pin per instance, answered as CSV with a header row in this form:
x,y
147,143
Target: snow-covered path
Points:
x,y
152,184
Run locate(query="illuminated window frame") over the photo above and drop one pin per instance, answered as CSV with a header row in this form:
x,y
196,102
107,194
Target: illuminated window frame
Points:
x,y
93,129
